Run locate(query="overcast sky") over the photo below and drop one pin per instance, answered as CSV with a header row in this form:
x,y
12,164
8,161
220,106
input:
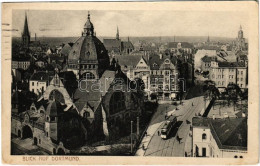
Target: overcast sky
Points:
x,y
131,23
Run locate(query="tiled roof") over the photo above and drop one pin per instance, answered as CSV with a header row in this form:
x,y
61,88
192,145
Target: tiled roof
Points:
x,y
112,44
208,58
128,60
88,48
183,45
155,59
127,44
231,64
41,75
66,49
22,58
229,133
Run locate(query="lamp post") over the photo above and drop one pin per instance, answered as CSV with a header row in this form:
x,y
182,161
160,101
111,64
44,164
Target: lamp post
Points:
x,y
137,125
131,137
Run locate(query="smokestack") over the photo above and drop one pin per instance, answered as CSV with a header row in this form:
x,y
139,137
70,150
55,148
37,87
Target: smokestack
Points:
x,y
35,37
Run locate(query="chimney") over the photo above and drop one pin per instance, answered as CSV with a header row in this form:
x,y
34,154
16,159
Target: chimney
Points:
x,y
160,56
35,37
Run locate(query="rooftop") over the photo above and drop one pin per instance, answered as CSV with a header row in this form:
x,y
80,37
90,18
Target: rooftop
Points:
x,y
229,133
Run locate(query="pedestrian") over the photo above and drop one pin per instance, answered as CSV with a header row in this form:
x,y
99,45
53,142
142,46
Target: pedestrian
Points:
x,y
186,154
158,133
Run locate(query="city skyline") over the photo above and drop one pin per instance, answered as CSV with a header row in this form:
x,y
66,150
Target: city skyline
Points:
x,y
55,23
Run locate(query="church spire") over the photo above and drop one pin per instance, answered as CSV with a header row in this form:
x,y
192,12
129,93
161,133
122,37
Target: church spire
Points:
x,y
208,39
26,33
117,34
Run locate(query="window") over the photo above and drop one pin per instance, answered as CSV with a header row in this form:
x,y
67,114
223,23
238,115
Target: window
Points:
x,y
47,118
213,75
86,114
52,119
241,85
40,141
117,102
32,83
235,156
241,79
241,157
241,72
167,73
88,75
47,134
204,136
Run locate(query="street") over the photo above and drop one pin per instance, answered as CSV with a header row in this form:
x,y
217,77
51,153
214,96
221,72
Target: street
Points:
x,y
155,146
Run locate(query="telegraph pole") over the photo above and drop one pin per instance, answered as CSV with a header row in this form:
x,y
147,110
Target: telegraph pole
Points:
x,y
131,137
137,130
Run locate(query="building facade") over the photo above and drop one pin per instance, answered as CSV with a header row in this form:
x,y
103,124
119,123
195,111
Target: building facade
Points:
x,y
224,73
208,139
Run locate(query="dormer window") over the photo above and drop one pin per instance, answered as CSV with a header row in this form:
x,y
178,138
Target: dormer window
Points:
x,y
154,65
87,53
167,61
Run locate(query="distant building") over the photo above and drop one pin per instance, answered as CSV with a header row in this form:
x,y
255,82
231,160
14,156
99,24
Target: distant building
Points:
x,y
206,62
135,66
224,73
116,46
164,76
21,62
185,46
39,82
240,43
219,138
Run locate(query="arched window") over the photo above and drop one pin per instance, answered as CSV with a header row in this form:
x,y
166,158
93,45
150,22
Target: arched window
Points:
x,y
88,75
235,156
55,94
117,102
204,136
86,114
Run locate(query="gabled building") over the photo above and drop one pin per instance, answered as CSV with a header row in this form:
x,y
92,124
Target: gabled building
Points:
x,y
116,46
164,76
219,138
224,73
135,66
39,81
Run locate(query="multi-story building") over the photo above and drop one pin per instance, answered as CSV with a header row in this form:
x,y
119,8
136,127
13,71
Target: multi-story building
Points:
x,y
219,138
164,76
224,73
39,81
21,63
135,66
96,105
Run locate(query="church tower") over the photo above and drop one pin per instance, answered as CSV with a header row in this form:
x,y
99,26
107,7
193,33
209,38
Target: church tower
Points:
x,y
240,33
240,43
26,34
208,40
117,34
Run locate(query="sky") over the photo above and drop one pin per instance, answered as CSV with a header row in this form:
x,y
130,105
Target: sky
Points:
x,y
69,23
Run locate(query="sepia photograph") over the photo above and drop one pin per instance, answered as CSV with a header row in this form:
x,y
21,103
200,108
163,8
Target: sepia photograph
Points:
x,y
138,83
